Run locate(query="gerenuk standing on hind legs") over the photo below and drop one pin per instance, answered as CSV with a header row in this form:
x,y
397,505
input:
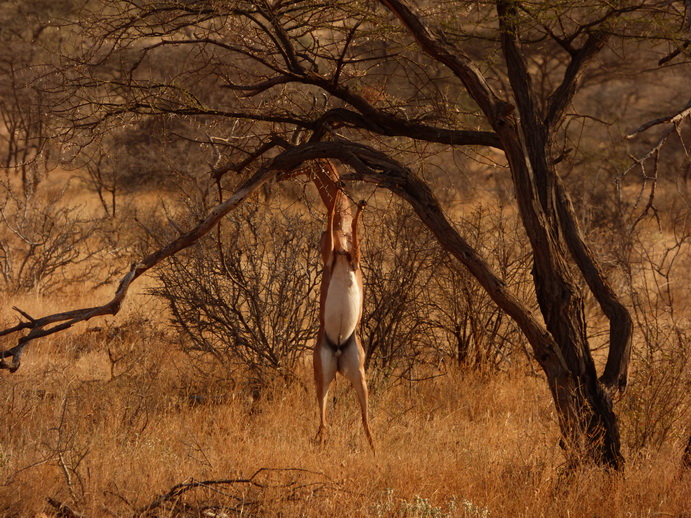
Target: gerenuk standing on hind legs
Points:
x,y
338,347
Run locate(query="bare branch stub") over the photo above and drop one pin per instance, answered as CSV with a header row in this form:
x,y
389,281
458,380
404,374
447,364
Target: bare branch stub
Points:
x,y
674,118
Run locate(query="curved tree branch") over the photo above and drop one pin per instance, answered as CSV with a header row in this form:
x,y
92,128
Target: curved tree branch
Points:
x,y
44,326
388,125
562,96
615,375
375,167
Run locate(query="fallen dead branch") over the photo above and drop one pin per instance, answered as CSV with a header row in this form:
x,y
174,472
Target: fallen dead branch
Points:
x,y
259,480
63,510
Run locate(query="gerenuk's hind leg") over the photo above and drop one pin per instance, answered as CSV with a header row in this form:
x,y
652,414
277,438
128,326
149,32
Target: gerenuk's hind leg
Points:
x,y
324,373
352,365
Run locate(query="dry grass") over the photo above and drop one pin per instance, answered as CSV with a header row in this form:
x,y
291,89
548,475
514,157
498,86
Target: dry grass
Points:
x,y
107,417
107,435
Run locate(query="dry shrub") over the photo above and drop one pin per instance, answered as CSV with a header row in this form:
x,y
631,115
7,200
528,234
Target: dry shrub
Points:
x,y
398,264
473,332
53,235
657,408
422,308
245,296
44,243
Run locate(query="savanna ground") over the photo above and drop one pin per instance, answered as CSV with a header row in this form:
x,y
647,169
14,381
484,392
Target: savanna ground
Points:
x,y
113,418
108,437
195,400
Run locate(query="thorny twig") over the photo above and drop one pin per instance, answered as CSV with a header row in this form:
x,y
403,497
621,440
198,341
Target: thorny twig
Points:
x,y
675,118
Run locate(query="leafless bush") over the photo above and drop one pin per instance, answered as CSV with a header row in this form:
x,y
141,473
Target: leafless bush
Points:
x,y
422,308
472,330
658,406
398,264
247,295
42,241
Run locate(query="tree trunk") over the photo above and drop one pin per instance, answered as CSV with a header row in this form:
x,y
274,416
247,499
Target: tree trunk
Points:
x,y
588,423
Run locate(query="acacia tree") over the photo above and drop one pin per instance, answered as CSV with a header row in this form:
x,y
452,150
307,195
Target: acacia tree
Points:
x,y
267,85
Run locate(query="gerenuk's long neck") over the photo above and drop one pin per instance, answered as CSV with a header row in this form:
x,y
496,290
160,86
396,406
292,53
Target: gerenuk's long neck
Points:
x,y
327,180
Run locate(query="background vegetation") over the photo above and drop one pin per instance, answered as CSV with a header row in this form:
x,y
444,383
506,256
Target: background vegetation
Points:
x,y
197,400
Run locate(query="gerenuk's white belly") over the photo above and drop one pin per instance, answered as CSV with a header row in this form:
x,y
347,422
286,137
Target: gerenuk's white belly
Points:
x,y
343,302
